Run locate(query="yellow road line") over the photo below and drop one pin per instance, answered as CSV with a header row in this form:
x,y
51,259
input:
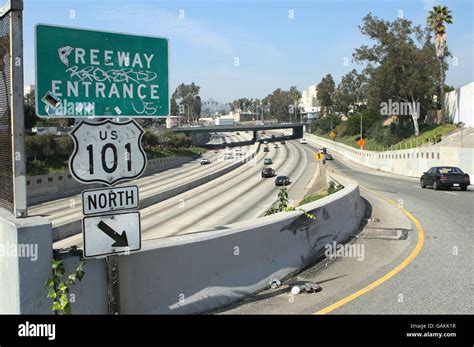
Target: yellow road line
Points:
x,y
386,277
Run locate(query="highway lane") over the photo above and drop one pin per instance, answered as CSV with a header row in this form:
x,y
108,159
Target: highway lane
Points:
x,y
67,210
440,279
239,195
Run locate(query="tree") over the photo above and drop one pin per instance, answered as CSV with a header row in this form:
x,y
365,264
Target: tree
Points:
x,y
350,92
399,66
437,18
279,102
187,95
30,113
325,93
295,96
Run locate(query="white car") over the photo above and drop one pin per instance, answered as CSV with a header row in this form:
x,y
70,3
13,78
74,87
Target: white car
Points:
x,y
303,141
228,156
265,142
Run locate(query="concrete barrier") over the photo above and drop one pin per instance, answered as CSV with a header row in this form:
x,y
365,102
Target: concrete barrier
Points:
x,y
25,263
408,162
200,272
191,273
48,187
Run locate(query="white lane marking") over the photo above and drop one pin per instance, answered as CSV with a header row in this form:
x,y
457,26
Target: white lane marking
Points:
x,y
450,193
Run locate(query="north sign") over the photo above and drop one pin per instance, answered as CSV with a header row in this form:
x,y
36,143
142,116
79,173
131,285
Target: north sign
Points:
x,y
111,234
107,152
105,200
86,73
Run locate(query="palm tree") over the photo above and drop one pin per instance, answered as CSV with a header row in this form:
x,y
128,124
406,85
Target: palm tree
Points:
x,y
437,18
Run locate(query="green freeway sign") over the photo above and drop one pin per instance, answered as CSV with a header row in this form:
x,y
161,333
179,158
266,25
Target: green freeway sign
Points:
x,y
85,73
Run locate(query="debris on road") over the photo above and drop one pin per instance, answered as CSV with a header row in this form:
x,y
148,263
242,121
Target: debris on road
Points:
x,y
295,290
275,283
305,287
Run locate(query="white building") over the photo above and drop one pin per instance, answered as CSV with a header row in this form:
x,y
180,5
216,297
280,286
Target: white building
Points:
x,y
309,102
27,88
460,104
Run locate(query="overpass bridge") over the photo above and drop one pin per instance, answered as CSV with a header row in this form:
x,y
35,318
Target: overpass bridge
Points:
x,y
296,127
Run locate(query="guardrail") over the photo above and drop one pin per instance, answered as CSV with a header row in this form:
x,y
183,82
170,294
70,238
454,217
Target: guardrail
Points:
x,y
204,271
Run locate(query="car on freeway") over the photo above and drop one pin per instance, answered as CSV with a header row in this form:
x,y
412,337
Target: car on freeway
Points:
x,y
323,150
328,156
303,141
276,145
238,152
266,149
268,172
237,133
282,181
445,177
205,161
283,142
265,142
267,161
228,156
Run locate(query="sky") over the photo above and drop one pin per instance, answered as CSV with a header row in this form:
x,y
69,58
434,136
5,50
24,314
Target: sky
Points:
x,y
248,48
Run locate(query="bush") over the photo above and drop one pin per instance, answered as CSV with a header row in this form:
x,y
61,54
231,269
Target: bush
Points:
x,y
40,146
382,134
368,120
323,124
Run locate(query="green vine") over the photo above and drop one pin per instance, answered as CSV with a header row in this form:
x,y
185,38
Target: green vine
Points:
x,y
59,288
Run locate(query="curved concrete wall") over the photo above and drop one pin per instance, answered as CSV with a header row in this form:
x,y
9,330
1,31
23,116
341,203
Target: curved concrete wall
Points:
x,y
199,272
408,162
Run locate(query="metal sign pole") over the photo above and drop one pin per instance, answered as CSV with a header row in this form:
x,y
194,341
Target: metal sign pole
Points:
x,y
17,112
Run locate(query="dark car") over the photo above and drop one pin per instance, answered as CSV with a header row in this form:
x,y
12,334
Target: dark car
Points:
x,y
266,149
282,142
323,150
328,157
268,172
445,177
282,181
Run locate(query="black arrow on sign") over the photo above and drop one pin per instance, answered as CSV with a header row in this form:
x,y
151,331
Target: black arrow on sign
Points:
x,y
120,240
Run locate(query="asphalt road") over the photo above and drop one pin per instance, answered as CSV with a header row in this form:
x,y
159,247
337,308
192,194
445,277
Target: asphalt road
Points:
x,y
441,278
67,210
239,195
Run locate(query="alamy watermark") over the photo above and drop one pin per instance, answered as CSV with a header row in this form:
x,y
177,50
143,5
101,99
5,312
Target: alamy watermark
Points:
x,y
21,250
352,250
400,108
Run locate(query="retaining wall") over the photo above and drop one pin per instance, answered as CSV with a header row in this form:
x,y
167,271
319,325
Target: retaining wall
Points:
x,y
409,162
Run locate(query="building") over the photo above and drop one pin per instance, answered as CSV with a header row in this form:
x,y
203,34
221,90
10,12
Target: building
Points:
x,y
172,121
28,88
308,104
460,104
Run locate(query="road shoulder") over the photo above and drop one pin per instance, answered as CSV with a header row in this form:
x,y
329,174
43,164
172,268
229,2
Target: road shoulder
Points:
x,y
385,240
